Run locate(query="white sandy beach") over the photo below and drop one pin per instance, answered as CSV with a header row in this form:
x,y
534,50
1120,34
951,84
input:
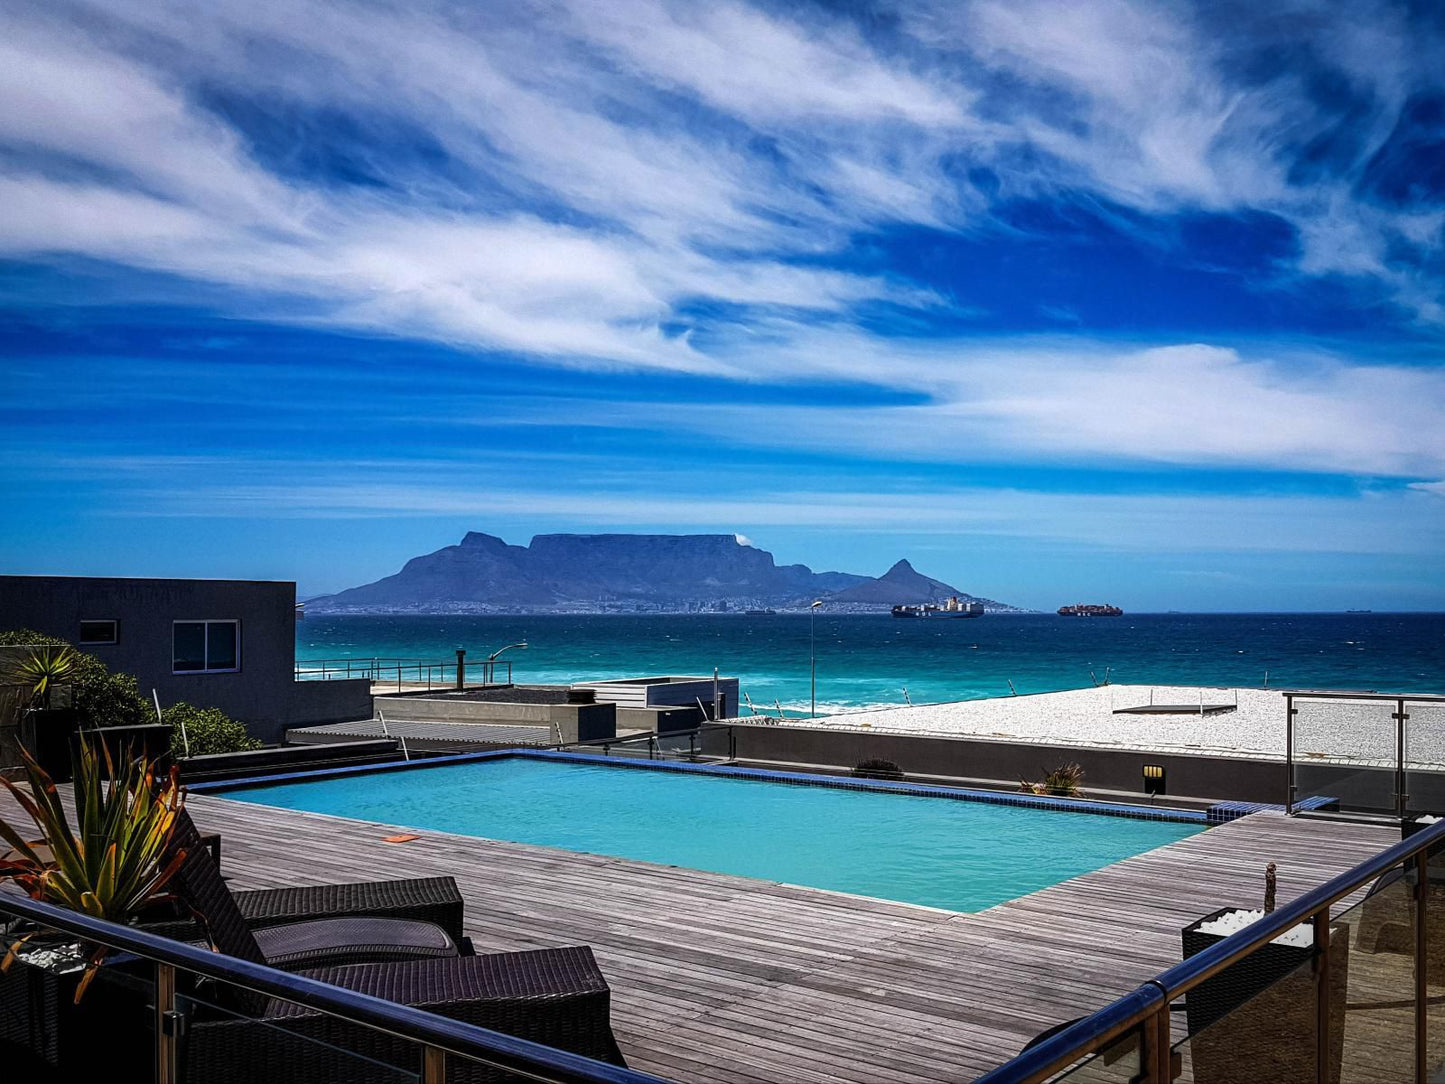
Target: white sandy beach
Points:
x,y
1359,731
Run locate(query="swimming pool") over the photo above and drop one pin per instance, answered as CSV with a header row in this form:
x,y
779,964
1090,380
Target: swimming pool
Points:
x,y
940,852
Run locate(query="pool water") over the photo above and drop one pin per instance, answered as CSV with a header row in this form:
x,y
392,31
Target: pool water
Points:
x,y
960,855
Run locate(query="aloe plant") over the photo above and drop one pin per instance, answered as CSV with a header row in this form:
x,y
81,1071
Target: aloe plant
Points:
x,y
111,861
40,670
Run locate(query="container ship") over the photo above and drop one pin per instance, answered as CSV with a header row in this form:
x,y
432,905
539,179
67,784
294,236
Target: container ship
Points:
x,y
951,607
1090,610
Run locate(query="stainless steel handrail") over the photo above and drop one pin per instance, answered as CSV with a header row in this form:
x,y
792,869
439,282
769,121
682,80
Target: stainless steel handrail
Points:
x,y
520,1056
1134,1009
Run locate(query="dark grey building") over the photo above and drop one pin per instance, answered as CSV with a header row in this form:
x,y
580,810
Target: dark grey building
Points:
x,y
228,644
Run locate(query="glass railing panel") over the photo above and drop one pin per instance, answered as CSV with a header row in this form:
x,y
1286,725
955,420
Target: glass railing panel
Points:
x,y
233,1037
1435,967
1425,757
1379,1018
1346,750
1255,1021
1121,1062
46,1034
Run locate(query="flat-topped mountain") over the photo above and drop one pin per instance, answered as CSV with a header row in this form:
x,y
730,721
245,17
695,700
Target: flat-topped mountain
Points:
x,y
601,572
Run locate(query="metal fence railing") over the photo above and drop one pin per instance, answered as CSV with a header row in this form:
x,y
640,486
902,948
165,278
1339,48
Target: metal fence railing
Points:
x,y
158,1000
1332,987
422,673
710,741
1367,752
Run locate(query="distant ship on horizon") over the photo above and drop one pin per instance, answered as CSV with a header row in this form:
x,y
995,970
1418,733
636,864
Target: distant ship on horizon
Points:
x,y
951,607
1090,610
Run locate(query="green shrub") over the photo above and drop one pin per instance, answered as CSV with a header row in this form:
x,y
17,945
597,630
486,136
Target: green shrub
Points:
x,y
101,698
209,730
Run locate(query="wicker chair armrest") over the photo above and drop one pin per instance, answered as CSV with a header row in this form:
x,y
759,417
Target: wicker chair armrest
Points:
x,y
552,996
427,899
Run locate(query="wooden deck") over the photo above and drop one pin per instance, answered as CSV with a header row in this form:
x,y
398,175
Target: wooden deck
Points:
x,y
721,978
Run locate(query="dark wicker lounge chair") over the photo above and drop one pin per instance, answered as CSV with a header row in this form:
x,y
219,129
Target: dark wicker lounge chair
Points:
x,y
349,934
553,996
558,997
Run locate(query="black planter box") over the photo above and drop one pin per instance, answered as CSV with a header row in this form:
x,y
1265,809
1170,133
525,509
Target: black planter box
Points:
x,y
1411,824
151,740
1257,1019
108,1036
1232,987
47,733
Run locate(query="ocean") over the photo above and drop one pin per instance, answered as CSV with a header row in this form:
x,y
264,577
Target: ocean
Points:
x,y
869,661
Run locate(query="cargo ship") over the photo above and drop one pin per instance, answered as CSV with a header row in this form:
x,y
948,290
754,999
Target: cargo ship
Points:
x,y
951,607
1090,610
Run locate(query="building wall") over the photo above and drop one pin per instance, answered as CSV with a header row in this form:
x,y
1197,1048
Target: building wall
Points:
x,y
263,693
1217,778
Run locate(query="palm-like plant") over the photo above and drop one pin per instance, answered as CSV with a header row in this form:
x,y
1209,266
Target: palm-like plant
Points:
x,y
41,670
112,862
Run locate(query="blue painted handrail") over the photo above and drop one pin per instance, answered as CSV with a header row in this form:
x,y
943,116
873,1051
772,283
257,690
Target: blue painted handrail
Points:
x,y
1089,1034
508,1052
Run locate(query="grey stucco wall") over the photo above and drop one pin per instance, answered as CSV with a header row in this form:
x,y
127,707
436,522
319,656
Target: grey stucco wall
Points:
x,y
263,693
572,722
1218,778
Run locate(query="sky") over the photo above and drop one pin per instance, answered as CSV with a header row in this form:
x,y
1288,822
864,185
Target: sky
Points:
x,y
1139,302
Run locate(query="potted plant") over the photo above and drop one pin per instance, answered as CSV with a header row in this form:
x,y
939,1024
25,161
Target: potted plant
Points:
x,y
112,865
45,727
1271,1036
1065,781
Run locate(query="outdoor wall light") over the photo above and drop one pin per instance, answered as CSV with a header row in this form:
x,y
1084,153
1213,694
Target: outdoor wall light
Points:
x,y
1153,779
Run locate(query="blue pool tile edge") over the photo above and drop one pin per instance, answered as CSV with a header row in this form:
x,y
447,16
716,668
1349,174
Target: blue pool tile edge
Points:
x,y
807,779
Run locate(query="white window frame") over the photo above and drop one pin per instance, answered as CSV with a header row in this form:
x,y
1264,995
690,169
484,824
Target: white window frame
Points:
x,y
208,622
114,624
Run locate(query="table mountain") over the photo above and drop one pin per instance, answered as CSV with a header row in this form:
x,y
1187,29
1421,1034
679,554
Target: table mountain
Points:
x,y
591,572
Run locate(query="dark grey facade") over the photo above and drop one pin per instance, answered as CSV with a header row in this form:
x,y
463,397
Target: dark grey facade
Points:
x,y
228,644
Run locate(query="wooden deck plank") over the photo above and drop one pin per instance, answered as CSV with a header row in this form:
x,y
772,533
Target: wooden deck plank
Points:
x,y
736,981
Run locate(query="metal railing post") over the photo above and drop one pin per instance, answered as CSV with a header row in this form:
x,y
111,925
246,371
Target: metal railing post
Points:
x,y
1399,716
167,1022
1154,1050
433,1065
1422,1010
1321,926
1289,714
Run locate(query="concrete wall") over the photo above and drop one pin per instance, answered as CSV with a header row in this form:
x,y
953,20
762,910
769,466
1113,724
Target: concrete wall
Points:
x,y
263,693
571,722
667,693
659,720
1216,778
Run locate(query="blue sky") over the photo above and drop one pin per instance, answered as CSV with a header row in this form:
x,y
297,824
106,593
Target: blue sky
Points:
x,y
1138,302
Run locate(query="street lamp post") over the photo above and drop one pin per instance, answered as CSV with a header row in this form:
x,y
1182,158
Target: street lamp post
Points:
x,y
813,655
492,658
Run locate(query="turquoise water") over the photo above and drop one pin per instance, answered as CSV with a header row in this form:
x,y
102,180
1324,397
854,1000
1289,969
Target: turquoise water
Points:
x,y
959,855
866,660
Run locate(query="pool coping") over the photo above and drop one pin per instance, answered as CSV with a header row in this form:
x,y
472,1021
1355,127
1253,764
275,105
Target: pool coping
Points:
x,y
919,790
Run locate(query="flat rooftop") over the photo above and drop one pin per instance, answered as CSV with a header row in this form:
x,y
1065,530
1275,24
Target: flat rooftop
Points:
x,y
1237,722
727,979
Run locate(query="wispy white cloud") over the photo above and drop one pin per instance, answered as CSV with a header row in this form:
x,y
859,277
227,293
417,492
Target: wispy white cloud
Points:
x,y
1381,523
597,173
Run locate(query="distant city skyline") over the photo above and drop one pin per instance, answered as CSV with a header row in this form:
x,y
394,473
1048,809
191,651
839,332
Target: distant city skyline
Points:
x,y
1110,301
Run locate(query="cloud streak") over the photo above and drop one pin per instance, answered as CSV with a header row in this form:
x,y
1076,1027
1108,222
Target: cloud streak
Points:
x,y
718,193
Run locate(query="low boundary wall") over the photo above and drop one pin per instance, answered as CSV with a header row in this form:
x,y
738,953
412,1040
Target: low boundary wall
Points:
x,y
1186,775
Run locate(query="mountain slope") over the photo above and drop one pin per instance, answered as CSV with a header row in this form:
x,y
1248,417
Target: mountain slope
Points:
x,y
590,572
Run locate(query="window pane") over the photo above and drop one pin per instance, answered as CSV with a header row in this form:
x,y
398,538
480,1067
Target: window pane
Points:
x,y
221,646
97,632
189,645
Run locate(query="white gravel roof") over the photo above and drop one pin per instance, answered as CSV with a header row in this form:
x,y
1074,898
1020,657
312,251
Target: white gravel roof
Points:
x,y
1351,730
